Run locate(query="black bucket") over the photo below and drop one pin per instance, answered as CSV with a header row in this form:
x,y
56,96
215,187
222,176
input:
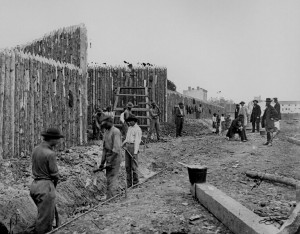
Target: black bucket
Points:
x,y
197,174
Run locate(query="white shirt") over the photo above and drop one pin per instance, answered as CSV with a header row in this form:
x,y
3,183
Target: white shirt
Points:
x,y
122,118
134,135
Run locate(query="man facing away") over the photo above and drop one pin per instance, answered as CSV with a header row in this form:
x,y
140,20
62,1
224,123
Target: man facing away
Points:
x,y
45,173
154,120
179,118
255,116
111,155
269,116
131,146
237,127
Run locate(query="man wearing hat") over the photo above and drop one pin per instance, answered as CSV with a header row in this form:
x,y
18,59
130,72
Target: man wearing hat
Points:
x,y
111,154
131,145
243,111
237,127
255,116
154,120
278,109
45,174
179,118
127,113
269,116
96,123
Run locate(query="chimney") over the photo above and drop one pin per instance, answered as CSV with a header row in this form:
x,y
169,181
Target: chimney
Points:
x,y
198,88
189,88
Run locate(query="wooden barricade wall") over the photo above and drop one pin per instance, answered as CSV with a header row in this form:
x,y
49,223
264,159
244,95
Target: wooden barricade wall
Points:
x,y
37,93
191,106
104,81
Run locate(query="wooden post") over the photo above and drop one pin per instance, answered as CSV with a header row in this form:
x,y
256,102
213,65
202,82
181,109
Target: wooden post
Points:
x,y
2,85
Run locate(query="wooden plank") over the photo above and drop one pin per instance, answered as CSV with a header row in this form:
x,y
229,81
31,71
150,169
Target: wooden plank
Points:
x,y
32,106
2,99
17,106
22,108
12,96
26,107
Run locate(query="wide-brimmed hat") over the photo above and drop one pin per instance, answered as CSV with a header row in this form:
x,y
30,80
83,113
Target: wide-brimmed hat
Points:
x,y
130,104
131,118
268,100
242,102
180,103
52,133
106,118
255,101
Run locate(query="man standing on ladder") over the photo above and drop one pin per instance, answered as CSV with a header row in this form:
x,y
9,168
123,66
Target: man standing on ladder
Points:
x,y
154,120
111,155
131,145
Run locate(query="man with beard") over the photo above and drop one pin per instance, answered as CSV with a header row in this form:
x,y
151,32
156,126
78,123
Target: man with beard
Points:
x,y
111,155
255,116
269,116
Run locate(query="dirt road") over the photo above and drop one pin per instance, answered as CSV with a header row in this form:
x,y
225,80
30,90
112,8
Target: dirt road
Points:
x,y
165,205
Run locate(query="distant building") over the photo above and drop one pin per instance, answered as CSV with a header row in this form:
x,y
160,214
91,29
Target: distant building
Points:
x,y
196,93
290,107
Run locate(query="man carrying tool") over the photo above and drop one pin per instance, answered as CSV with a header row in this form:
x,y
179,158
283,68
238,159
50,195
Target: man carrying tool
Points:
x,y
131,146
45,173
154,120
111,155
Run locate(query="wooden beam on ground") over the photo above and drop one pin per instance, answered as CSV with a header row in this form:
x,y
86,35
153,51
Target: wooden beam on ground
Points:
x,y
273,178
232,214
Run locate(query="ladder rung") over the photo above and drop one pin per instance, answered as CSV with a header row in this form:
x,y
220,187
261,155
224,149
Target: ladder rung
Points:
x,y
135,87
142,117
133,109
120,125
131,94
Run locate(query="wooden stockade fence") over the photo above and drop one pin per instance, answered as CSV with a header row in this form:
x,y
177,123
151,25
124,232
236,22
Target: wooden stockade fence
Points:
x,y
37,93
191,106
103,82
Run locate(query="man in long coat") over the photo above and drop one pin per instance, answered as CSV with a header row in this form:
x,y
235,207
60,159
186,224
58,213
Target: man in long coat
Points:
x,y
179,118
255,116
236,111
244,111
278,109
45,173
269,116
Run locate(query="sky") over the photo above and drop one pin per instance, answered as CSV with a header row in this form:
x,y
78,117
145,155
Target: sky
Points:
x,y
239,47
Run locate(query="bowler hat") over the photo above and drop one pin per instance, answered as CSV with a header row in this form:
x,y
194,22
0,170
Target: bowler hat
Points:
x,y
52,133
268,100
242,102
106,118
130,104
131,118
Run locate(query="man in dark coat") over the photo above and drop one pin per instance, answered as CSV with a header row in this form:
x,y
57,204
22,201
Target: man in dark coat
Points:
x,y
278,109
255,116
267,122
237,127
236,111
179,118
45,173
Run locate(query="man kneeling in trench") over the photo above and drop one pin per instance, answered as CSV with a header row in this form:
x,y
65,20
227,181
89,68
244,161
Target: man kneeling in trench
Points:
x,y
111,155
42,190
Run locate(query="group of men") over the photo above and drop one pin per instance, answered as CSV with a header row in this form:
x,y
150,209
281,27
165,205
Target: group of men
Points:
x,y
270,120
45,170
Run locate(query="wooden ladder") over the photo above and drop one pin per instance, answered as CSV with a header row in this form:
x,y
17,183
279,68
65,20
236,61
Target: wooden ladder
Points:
x,y
135,108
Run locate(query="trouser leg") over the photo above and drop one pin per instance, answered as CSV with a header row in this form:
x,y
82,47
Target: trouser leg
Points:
x,y
157,127
180,127
43,195
134,164
177,128
152,125
253,126
257,125
128,169
112,180
243,135
268,136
